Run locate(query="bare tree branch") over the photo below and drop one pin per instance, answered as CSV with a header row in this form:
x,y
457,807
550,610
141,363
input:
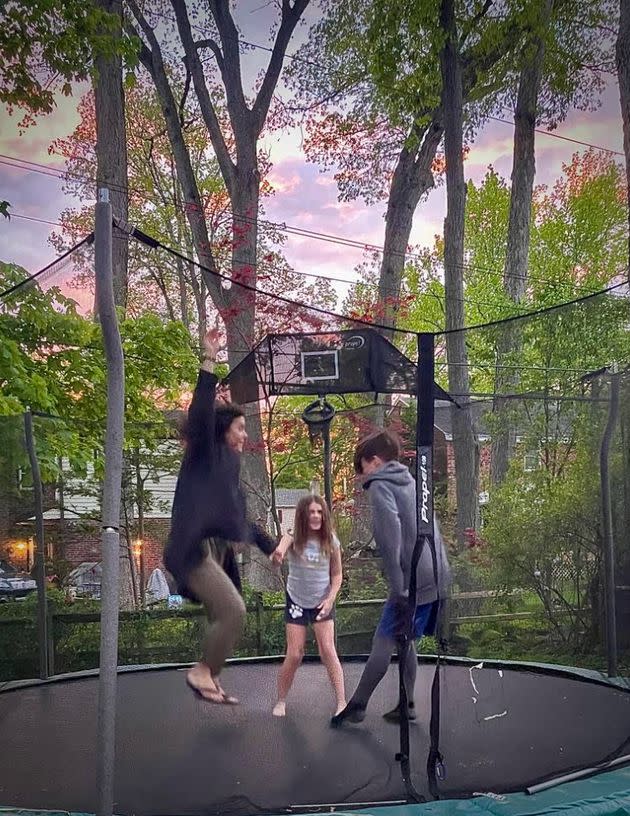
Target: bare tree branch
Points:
x,y
193,63
182,101
231,64
151,58
290,18
213,45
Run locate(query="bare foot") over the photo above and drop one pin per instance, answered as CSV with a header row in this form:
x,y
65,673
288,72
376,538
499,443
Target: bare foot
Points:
x,y
199,676
280,709
204,689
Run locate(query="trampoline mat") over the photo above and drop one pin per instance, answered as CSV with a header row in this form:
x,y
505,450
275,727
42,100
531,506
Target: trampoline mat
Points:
x,y
175,754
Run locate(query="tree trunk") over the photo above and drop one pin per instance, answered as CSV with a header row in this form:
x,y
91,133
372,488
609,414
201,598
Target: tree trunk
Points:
x,y
240,338
623,74
412,178
239,169
464,439
515,273
111,149
110,505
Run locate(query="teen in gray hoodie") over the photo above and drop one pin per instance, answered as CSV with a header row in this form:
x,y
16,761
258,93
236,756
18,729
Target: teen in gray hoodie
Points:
x,y
392,493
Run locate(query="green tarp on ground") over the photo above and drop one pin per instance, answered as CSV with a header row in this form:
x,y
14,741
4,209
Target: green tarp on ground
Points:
x,y
602,795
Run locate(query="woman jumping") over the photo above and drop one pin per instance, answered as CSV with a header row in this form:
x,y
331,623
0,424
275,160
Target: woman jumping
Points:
x,y
208,514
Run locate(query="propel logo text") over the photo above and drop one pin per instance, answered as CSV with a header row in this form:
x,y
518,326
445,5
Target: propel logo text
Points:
x,y
424,489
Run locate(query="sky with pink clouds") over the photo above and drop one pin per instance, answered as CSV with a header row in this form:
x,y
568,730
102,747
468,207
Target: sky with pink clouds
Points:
x,y
305,197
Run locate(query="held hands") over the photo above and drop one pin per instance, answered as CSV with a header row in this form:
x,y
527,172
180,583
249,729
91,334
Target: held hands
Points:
x,y
277,556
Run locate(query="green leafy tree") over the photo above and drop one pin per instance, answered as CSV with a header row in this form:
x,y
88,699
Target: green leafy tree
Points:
x,y
52,362
46,46
543,533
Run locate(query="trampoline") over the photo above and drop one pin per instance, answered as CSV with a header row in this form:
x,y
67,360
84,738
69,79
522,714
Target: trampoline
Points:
x,y
502,728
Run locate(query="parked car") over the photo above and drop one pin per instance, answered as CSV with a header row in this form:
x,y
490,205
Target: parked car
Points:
x,y
15,586
7,570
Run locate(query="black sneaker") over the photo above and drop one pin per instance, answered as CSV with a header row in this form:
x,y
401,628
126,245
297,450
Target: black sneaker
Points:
x,y
353,713
393,716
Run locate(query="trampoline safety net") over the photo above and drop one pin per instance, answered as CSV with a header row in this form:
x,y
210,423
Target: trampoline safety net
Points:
x,y
531,488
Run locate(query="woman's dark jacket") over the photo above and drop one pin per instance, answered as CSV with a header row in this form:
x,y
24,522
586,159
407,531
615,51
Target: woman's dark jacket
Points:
x,y
208,502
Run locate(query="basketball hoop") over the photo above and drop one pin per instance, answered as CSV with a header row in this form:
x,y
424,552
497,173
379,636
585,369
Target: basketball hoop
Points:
x,y
318,416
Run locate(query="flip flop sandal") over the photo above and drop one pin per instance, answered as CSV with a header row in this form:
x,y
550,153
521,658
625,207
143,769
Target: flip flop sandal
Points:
x,y
209,695
228,699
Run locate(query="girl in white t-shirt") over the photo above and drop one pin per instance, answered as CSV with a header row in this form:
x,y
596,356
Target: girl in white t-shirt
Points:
x,y
314,556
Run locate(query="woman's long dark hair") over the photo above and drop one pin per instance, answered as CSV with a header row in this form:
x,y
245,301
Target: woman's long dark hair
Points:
x,y
224,415
301,530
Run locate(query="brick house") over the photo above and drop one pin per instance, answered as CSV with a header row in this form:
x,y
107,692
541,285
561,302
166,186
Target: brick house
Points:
x,y
72,528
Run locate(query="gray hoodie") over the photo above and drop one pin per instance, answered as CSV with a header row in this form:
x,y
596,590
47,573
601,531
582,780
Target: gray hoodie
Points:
x,y
392,492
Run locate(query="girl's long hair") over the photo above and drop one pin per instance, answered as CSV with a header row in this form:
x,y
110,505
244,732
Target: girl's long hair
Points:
x,y
301,530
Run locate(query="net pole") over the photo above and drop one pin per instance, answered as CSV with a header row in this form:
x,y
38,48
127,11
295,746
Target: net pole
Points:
x,y
40,563
424,534
425,421
609,544
110,534
327,467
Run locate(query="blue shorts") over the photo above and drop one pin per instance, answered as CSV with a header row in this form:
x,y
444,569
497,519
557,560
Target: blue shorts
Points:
x,y
391,625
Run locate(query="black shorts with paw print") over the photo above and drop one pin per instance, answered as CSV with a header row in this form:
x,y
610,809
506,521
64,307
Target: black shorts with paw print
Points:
x,y
294,613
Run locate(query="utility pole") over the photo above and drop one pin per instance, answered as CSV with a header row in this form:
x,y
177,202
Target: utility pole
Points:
x,y
110,514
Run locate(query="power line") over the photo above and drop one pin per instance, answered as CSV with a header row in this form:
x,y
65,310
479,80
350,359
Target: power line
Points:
x,y
291,230
296,58
494,118
265,270
433,295
563,138
37,220
154,243
301,232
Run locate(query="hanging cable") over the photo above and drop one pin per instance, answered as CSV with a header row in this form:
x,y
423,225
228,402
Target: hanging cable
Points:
x,y
300,232
154,243
85,241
